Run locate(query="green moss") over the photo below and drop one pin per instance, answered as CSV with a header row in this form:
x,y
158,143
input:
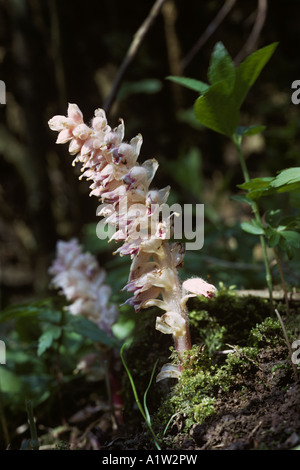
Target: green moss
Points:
x,y
194,395
204,378
267,334
242,325
225,319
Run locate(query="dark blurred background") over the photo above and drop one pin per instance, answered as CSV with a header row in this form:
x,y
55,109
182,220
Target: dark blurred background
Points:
x,y
54,52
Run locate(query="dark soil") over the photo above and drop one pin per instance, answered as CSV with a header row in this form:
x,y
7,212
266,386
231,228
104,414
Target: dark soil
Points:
x,y
258,409
261,412
265,416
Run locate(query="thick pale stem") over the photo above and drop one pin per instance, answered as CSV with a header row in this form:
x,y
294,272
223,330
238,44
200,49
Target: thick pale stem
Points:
x,y
172,297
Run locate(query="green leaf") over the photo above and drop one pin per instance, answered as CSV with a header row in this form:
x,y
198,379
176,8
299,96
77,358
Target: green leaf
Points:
x,y
46,339
221,68
249,70
273,239
249,130
291,237
253,227
257,187
27,309
287,180
191,83
289,242
217,110
273,217
89,329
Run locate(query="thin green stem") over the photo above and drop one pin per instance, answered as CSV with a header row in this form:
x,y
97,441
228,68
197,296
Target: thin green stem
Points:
x,y
237,140
145,414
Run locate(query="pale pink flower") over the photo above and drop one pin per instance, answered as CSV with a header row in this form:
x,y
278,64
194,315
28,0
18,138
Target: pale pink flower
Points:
x,y
80,279
133,208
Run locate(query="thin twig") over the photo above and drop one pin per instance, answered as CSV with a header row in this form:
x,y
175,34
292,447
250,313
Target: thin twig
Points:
x,y
169,12
132,51
211,28
249,46
287,343
57,52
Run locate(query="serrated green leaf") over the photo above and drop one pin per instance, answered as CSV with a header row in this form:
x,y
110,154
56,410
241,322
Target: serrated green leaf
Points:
x,y
221,68
249,130
253,227
191,83
217,110
249,70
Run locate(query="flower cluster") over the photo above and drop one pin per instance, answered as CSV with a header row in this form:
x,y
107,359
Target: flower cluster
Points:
x,y
80,279
132,207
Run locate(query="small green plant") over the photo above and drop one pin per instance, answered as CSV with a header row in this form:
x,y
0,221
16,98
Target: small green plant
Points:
x,y
280,232
218,108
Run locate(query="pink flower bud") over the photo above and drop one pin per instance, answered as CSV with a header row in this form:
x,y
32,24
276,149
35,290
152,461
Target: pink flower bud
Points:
x,y
198,286
74,113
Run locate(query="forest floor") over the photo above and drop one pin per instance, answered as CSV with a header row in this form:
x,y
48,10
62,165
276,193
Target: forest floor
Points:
x,y
246,398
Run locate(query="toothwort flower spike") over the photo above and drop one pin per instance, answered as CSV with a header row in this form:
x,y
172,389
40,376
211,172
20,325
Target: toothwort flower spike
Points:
x,y
80,279
123,187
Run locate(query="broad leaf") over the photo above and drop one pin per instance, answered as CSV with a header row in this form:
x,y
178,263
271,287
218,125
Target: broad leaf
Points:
x,y
217,110
248,71
221,68
287,180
